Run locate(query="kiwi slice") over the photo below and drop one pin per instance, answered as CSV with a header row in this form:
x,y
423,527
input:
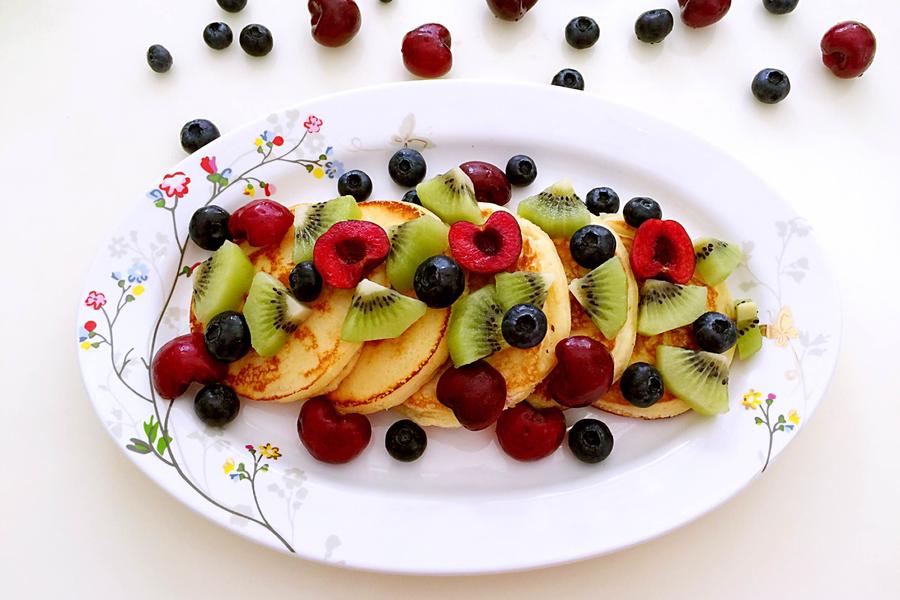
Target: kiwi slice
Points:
x,y
451,196
603,293
272,314
411,243
474,329
749,335
699,379
715,260
315,219
665,306
221,281
522,287
379,313
557,210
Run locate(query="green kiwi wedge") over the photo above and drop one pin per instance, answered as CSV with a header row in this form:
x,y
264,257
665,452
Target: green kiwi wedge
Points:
x,y
315,219
474,329
603,293
746,316
665,306
379,313
557,210
411,243
716,260
272,314
221,281
451,196
699,379
522,287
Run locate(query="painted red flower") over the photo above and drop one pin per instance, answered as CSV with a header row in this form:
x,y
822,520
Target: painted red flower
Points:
x,y
90,326
208,164
278,141
95,300
313,124
175,185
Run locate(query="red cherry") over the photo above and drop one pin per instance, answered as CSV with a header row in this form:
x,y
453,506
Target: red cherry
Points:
x,y
526,433
491,248
183,361
491,184
584,373
476,394
348,250
510,10
848,49
334,22
330,437
701,13
90,326
261,223
663,249
426,51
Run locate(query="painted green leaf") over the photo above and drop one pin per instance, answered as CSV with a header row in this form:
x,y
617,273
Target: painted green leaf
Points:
x,y
769,401
309,168
95,345
758,421
323,157
779,428
163,444
161,203
244,476
139,446
91,334
241,468
213,177
781,418
121,283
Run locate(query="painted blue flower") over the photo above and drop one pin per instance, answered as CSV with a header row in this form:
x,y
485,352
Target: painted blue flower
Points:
x,y
155,194
268,136
138,273
226,173
334,169
117,276
82,334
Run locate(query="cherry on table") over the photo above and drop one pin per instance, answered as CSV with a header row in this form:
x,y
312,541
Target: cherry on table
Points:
x,y
527,433
334,22
330,437
510,10
426,51
848,49
702,13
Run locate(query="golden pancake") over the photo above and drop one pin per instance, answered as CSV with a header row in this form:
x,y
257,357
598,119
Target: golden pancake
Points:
x,y
622,345
313,357
718,299
387,372
522,369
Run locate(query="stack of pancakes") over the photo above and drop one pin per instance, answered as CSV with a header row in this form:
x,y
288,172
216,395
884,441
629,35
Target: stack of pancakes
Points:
x,y
402,373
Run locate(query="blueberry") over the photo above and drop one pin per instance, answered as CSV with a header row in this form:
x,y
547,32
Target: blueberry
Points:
x,y
407,167
216,404
592,245
405,441
197,133
590,440
638,210
771,86
602,200
356,184
780,7
256,40
227,336
159,59
306,283
218,36
209,227
521,170
641,384
653,26
524,326
582,32
714,332
439,281
412,196
568,78
232,5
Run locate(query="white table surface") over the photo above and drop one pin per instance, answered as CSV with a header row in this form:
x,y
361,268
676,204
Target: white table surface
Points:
x,y
85,125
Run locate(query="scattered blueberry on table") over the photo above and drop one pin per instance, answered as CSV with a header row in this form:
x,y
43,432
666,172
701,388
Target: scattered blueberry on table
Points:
x,y
256,40
355,183
521,170
771,86
582,32
569,78
780,7
654,26
218,36
407,167
159,59
198,133
232,5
